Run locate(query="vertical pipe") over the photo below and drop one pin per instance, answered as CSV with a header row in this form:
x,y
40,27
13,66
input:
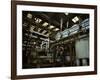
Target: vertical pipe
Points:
x,y
70,48
61,23
67,24
48,42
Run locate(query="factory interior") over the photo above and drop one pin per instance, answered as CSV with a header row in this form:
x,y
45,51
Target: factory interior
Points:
x,y
54,39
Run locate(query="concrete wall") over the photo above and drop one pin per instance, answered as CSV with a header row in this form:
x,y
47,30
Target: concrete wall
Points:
x,y
82,48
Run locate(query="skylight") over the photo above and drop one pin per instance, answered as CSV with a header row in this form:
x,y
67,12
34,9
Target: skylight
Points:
x,y
75,19
66,13
38,20
56,29
51,27
29,16
45,24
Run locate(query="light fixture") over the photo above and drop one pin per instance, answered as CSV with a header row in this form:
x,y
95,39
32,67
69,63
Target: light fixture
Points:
x,y
56,29
45,24
51,27
75,19
29,16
